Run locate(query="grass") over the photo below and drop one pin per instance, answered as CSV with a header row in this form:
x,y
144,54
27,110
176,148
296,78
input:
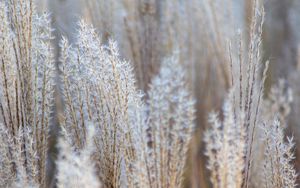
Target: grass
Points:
x,y
131,124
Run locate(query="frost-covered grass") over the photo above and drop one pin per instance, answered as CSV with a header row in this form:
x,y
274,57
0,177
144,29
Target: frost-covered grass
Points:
x,y
112,133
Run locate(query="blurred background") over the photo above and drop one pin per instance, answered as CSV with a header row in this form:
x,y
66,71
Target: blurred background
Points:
x,y
200,30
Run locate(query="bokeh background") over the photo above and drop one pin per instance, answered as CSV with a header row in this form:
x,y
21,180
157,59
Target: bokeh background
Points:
x,y
200,30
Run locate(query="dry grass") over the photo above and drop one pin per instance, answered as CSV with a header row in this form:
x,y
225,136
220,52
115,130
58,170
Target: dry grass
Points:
x,y
132,123
26,92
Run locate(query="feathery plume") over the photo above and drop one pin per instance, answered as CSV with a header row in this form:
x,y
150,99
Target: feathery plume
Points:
x,y
99,87
278,168
225,147
26,88
169,126
76,168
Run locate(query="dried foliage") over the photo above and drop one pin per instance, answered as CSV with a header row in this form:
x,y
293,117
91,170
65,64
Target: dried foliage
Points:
x,y
168,129
99,87
278,103
249,85
246,102
226,145
278,168
115,136
25,92
76,169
